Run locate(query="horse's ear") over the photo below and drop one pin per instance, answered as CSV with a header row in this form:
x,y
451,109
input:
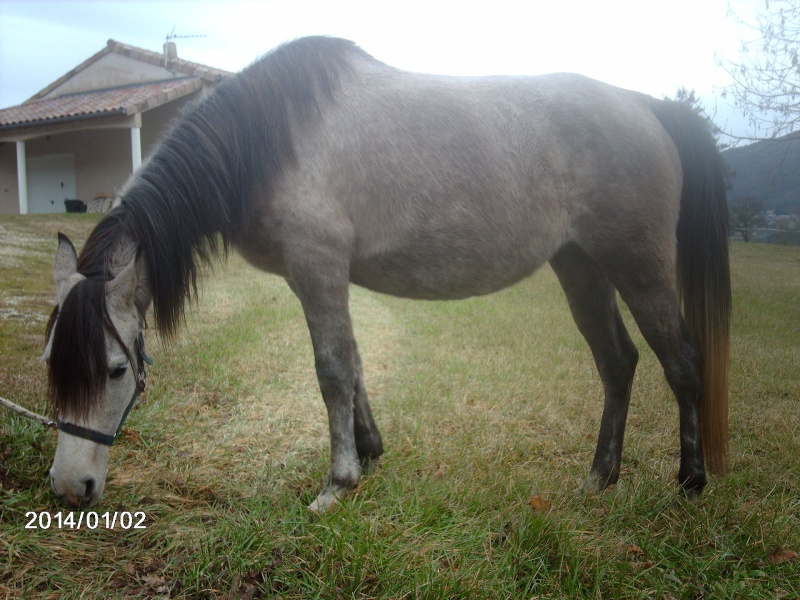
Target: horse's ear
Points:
x,y
66,268
130,285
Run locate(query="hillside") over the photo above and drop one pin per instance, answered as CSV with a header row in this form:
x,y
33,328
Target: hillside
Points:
x,y
768,170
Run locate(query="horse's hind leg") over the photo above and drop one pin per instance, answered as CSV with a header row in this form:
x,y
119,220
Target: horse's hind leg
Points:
x,y
646,283
659,319
592,300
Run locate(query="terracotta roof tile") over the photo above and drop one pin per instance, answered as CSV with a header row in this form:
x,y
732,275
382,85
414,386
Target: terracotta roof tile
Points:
x,y
127,100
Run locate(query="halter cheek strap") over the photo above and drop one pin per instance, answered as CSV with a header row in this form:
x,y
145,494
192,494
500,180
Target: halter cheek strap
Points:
x,y
106,439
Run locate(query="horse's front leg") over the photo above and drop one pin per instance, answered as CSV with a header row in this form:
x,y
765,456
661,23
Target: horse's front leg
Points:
x,y
323,292
336,373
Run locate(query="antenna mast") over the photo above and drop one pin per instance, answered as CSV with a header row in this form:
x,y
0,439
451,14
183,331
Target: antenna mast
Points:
x,y
174,36
171,49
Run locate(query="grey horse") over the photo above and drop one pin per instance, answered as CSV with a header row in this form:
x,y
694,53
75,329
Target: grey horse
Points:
x,y
327,167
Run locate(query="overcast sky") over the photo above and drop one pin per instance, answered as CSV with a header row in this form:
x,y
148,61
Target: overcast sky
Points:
x,y
651,46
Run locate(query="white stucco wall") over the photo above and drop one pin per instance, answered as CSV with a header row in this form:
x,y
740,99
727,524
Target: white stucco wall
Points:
x,y
102,156
111,70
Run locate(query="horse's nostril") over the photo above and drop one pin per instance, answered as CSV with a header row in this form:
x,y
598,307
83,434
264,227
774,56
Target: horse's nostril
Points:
x,y
89,483
53,485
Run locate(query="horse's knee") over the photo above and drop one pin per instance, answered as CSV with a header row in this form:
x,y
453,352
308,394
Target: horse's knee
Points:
x,y
336,378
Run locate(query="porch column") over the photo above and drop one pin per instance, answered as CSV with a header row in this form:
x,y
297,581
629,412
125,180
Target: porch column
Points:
x,y
136,147
22,178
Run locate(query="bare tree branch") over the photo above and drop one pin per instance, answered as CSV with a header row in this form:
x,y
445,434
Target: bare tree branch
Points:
x,y
766,77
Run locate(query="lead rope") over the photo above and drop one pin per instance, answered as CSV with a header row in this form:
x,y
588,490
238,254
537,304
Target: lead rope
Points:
x,y
27,414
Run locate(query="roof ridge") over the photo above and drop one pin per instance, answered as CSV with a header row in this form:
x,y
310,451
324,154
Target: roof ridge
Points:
x,y
179,65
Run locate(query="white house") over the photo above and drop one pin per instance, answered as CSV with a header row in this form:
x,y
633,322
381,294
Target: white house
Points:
x,y
84,134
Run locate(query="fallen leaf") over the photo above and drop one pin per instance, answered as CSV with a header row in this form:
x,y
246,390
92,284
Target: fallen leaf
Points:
x,y
779,555
448,563
633,550
539,503
153,580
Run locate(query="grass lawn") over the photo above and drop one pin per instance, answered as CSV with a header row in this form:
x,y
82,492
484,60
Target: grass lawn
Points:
x,y
489,409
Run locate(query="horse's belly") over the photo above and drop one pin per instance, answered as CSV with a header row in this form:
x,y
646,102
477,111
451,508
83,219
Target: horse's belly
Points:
x,y
432,276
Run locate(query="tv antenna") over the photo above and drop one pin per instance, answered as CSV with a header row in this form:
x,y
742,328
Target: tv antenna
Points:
x,y
174,36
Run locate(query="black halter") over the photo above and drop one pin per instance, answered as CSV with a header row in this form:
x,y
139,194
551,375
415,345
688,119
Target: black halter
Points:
x,y
104,438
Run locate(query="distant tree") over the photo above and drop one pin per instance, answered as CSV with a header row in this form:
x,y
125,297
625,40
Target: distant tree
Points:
x,y
747,214
690,98
787,227
766,77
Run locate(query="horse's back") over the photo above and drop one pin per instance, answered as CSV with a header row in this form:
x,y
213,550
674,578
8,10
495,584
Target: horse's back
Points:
x,y
449,187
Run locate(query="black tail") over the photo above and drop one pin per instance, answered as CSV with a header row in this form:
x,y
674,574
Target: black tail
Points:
x,y
703,269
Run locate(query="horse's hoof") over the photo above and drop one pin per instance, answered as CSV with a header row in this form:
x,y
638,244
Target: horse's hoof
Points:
x,y
596,483
690,493
692,486
324,502
590,487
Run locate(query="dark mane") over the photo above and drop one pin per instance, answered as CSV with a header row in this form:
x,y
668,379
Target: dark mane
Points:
x,y
191,199
203,178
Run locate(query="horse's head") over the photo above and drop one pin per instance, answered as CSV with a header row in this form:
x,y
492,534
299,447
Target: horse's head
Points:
x,y
94,357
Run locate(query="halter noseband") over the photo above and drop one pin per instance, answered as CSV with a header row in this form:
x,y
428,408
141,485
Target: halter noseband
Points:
x,y
99,437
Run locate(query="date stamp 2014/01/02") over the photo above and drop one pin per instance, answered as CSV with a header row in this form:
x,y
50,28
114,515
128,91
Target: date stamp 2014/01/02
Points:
x,y
86,520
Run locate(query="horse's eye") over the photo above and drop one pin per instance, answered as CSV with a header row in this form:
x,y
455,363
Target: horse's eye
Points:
x,y
118,372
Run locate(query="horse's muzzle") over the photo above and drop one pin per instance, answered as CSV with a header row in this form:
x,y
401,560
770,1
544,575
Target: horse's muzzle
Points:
x,y
81,494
